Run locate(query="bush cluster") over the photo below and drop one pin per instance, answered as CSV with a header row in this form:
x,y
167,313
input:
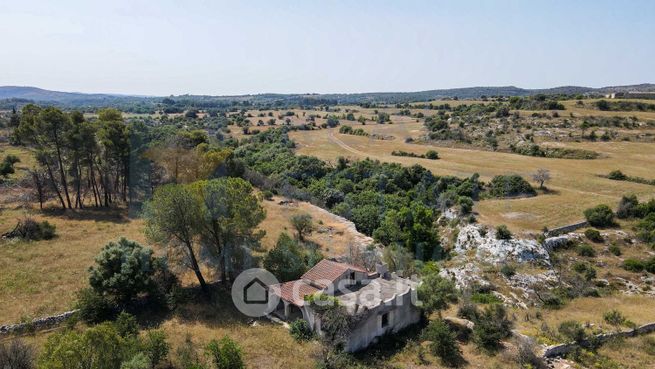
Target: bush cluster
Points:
x,y
600,216
510,185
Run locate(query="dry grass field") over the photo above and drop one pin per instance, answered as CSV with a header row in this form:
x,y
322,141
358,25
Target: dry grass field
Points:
x,y
41,278
331,233
575,186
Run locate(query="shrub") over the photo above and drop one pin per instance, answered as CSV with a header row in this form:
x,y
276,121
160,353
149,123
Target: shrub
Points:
x,y
436,292
225,354
491,327
633,265
646,229
615,250
123,270
93,307
7,165
526,354
138,361
627,207
31,230
649,265
485,298
614,317
586,250
155,347
510,186
465,204
99,347
572,331
268,195
126,325
600,216
617,175
585,269
299,329
443,343
593,235
508,270
16,355
432,155
503,233
468,310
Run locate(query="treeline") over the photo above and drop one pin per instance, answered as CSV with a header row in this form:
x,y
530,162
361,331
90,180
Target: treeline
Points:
x,y
396,205
348,130
104,160
77,158
552,152
537,102
624,105
430,154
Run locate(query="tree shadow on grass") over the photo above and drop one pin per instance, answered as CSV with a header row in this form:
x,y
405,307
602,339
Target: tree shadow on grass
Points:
x,y
549,191
113,215
218,311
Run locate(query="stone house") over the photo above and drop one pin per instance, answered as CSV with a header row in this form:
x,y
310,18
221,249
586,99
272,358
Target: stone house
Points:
x,y
384,302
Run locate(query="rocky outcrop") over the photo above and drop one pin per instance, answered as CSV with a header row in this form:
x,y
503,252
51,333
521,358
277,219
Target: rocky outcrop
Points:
x,y
491,250
560,242
465,276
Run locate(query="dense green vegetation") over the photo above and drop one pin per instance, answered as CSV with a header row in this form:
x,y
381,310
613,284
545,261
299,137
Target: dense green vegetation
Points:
x,y
537,102
600,216
630,207
510,185
395,204
623,105
430,154
348,130
617,175
552,152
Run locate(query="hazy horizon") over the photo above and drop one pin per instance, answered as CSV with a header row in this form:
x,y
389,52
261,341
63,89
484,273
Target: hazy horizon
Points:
x,y
222,48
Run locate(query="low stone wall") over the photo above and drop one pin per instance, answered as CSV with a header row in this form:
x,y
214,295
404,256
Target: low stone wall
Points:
x,y
563,349
37,324
566,229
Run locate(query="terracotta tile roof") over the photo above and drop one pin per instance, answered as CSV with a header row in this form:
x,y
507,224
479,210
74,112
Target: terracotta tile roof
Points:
x,y
329,271
326,271
286,291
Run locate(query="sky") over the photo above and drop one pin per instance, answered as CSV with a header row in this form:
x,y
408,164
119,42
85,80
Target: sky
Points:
x,y
220,47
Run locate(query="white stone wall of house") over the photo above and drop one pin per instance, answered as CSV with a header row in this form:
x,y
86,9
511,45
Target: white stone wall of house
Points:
x,y
401,314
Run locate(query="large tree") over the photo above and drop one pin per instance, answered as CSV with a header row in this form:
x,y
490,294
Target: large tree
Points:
x,y
172,218
46,130
286,259
229,213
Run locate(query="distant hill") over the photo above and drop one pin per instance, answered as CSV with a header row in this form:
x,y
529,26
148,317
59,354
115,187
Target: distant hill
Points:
x,y
39,94
19,95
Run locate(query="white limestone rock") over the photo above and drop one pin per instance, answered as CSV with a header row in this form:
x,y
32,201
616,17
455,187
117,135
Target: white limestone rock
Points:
x,y
489,249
